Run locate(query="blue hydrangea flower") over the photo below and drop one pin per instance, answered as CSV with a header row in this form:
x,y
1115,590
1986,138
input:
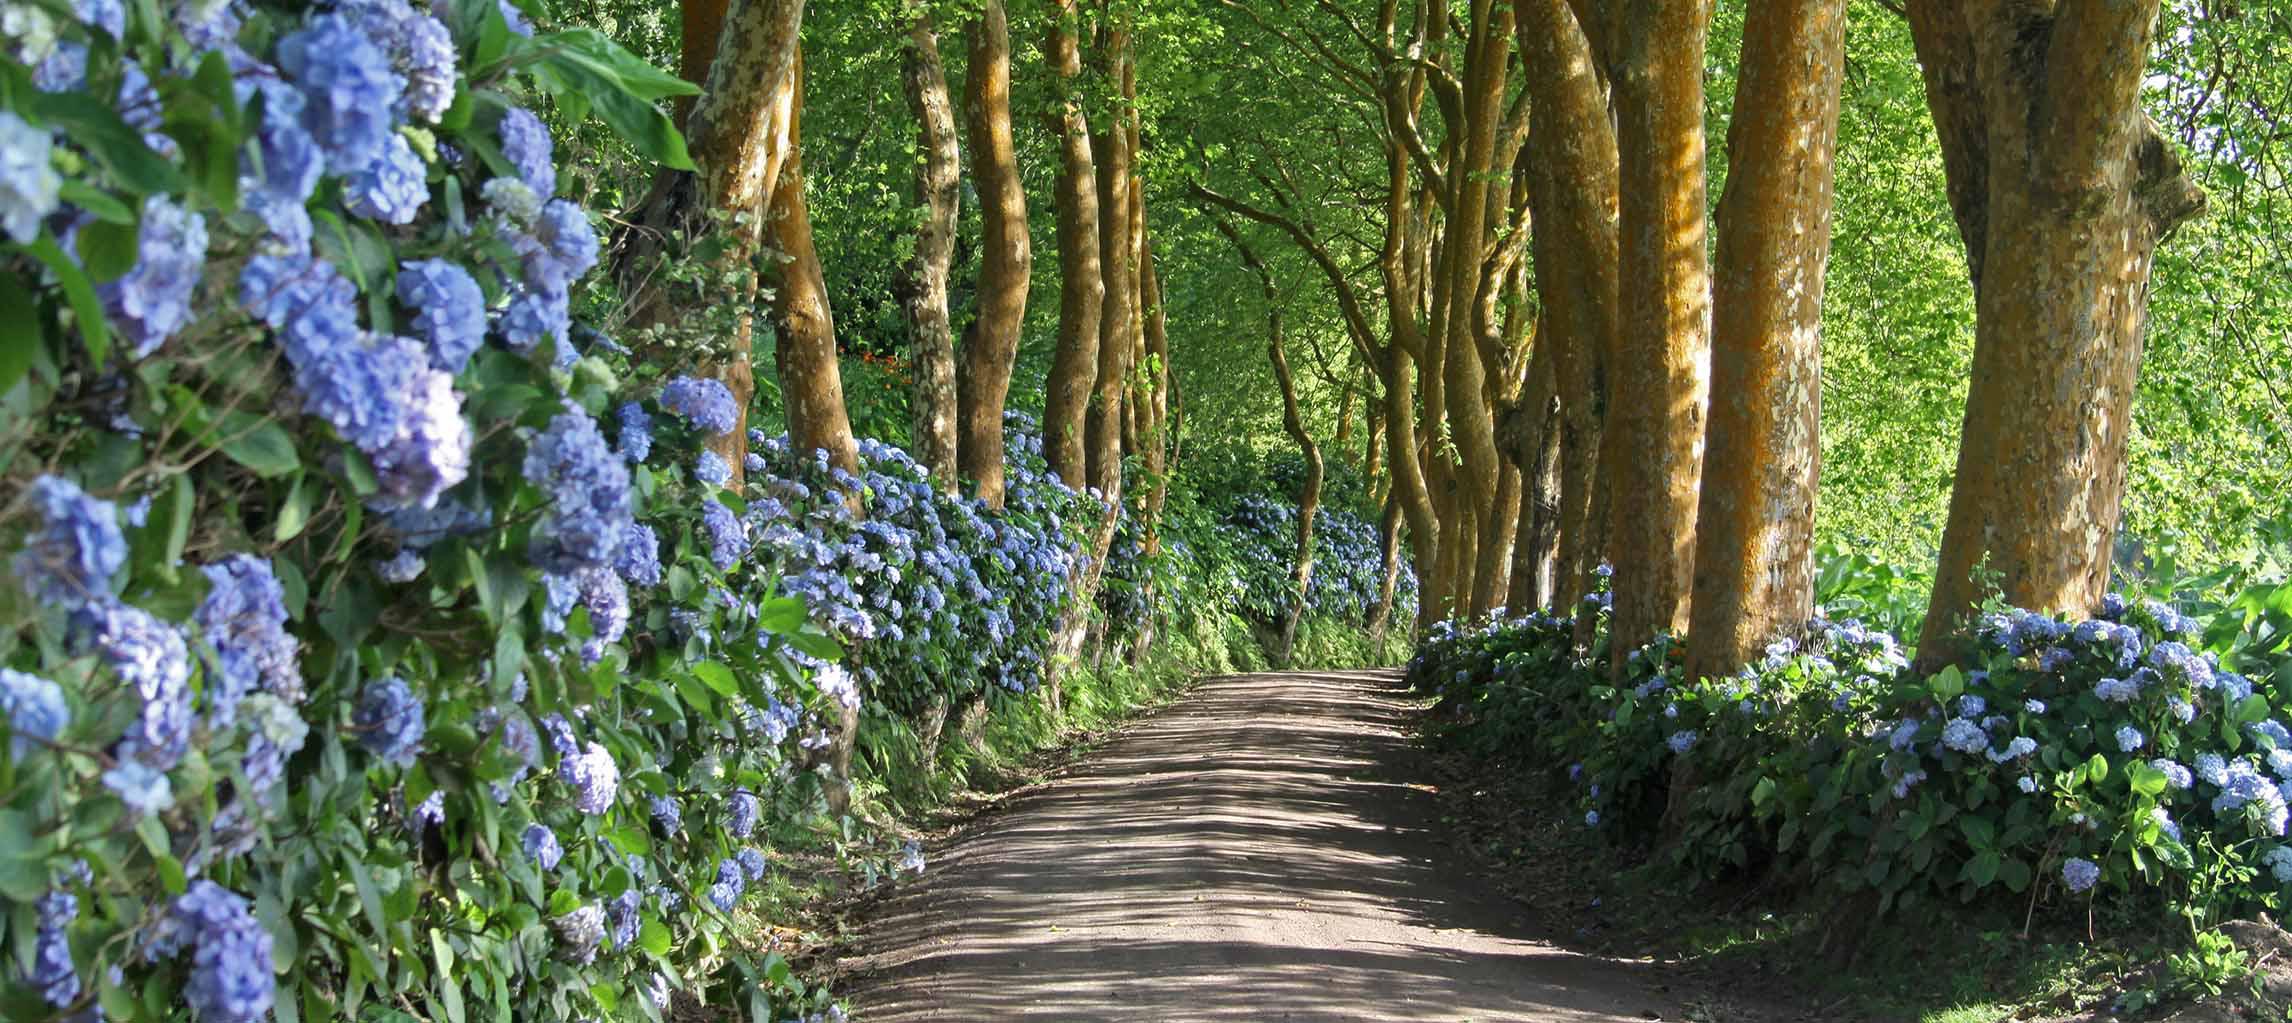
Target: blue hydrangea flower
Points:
x,y
537,314
562,247
390,721
727,537
836,683
743,810
541,846
153,299
668,814
2130,738
231,963
430,70
289,160
704,402
2080,874
350,92
1964,736
1591,818
68,562
429,452
243,620
2279,861
1971,706
590,505
2176,776
393,188
636,443
54,975
625,914
579,934
449,310
1681,741
144,789
712,470
283,289
150,657
2211,769
639,560
725,893
2021,746
753,864
911,855
402,567
2245,789
525,143
28,180
2026,783
364,385
593,777
33,708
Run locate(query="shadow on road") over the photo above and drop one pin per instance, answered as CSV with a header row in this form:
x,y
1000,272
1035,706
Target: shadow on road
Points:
x,y
1257,853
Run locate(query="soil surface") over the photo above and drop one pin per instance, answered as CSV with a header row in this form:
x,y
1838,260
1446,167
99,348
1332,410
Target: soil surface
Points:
x,y
1269,849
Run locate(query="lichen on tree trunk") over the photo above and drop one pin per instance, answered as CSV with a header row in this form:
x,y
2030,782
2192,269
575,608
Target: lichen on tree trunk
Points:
x,y
2062,188
922,282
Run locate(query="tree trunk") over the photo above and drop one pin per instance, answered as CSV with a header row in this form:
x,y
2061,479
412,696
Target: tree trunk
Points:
x,y
1155,452
1661,375
2063,189
1118,264
1082,286
922,283
1531,432
1572,194
740,131
1754,555
811,382
1389,581
1293,422
1006,263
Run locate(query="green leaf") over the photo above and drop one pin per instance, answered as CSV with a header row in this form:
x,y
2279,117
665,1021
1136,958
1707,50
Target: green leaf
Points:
x,y
2097,769
2252,709
718,677
80,292
2144,779
653,938
1947,684
19,331
98,204
1763,792
93,125
107,250
259,444
294,512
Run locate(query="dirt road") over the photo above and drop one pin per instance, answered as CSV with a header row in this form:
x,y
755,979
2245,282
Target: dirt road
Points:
x,y
1262,851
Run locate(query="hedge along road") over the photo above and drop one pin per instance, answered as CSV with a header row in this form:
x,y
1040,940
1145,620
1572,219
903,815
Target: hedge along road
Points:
x,y
1262,851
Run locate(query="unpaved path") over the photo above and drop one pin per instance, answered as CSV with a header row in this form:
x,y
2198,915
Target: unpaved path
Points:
x,y
1260,852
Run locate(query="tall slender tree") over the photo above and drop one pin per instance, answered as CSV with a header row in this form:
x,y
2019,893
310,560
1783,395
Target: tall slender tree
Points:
x,y
1006,258
1754,556
1082,286
923,282
1659,377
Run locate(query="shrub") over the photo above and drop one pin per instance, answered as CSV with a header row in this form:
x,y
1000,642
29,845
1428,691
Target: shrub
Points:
x,y
2070,761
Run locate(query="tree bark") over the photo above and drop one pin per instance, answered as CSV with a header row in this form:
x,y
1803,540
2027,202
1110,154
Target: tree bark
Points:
x,y
1661,374
2063,189
1754,555
1292,422
740,131
1531,434
1082,286
1572,194
1006,259
922,283
811,382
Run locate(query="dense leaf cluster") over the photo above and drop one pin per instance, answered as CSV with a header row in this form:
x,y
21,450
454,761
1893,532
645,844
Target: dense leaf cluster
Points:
x,y
2109,758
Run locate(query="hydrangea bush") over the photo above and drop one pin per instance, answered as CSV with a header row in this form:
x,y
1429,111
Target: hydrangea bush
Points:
x,y
308,473
2103,758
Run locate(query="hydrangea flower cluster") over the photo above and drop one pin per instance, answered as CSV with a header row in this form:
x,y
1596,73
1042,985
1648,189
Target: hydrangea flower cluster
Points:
x,y
2019,742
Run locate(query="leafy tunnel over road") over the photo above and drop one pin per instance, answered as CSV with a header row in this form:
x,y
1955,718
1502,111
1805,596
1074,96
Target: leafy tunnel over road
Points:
x,y
1262,851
